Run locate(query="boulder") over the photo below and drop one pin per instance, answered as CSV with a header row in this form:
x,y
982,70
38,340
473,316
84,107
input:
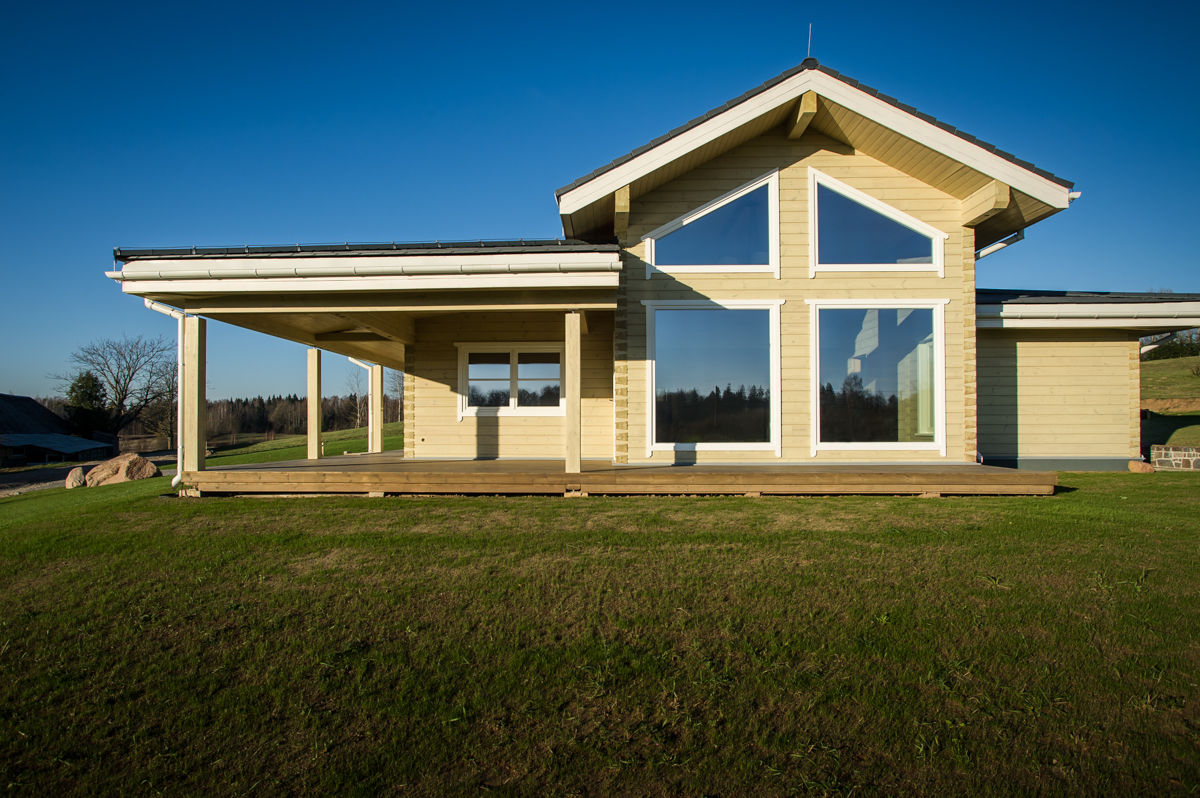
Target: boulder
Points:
x,y
74,479
1138,467
122,468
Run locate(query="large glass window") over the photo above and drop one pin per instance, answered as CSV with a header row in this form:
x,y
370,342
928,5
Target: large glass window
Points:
x,y
516,378
876,374
712,376
737,231
733,234
854,231
851,233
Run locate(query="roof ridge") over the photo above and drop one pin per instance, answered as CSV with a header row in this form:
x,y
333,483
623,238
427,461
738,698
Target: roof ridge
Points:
x,y
804,66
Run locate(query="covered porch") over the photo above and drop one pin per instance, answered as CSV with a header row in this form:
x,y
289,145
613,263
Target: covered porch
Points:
x,y
389,473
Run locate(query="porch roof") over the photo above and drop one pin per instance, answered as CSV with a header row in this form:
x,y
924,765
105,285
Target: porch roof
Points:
x,y
1008,308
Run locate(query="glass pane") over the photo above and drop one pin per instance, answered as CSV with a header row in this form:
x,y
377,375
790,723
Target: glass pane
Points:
x,y
736,234
853,233
488,393
537,366
487,366
712,376
537,393
876,371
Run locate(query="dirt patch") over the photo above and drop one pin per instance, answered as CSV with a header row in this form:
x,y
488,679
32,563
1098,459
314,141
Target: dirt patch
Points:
x,y
1172,405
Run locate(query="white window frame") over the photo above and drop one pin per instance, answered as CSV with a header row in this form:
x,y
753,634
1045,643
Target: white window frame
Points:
x,y
936,236
771,181
776,402
465,348
938,306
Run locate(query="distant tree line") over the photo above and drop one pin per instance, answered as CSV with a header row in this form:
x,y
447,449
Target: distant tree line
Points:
x,y
720,416
1180,344
856,414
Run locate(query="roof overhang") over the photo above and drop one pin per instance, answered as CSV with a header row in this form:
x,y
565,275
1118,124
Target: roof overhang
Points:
x,y
317,274
583,204
1141,316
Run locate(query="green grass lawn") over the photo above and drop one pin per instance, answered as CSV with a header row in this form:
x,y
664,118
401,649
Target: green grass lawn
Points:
x,y
295,447
1171,380
639,646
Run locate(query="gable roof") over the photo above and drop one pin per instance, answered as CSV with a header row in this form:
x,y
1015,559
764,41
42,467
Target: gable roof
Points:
x,y
585,203
22,414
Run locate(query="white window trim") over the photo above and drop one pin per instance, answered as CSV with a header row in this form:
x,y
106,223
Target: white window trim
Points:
x,y
512,348
771,181
937,237
938,306
775,444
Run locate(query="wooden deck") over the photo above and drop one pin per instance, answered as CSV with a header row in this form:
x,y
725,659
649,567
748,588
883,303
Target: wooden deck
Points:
x,y
388,473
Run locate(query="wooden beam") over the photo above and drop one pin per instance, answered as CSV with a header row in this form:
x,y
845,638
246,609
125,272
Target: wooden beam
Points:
x,y
572,426
349,336
583,323
313,400
396,327
194,424
388,304
802,114
985,203
621,213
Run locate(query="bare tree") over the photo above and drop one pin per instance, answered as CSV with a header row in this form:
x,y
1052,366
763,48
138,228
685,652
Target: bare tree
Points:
x,y
357,399
396,379
137,373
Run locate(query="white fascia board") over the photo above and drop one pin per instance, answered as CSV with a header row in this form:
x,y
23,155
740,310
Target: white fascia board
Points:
x,y
843,94
1134,316
598,279
368,266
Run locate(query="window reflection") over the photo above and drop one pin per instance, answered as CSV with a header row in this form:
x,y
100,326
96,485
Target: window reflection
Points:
x,y
712,376
735,234
876,375
851,233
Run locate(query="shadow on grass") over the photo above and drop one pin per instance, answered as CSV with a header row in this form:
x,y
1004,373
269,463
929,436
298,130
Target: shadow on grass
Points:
x,y
1159,429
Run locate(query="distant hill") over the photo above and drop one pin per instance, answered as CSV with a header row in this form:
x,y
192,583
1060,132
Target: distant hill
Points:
x,y
1171,385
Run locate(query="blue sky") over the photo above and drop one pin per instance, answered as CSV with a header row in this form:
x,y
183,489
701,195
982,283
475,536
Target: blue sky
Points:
x,y
138,124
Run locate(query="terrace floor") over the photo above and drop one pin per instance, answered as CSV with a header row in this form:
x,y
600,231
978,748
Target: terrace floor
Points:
x,y
390,473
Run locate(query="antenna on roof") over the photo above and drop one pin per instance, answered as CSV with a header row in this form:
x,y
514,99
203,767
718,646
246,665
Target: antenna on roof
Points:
x,y
809,54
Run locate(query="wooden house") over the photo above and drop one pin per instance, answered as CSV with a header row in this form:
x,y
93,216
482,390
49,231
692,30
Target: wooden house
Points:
x,y
787,280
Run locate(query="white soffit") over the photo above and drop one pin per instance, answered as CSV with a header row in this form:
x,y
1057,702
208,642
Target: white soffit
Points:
x,y
1100,315
856,100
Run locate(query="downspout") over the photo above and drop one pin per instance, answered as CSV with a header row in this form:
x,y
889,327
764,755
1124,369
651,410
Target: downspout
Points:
x,y
179,316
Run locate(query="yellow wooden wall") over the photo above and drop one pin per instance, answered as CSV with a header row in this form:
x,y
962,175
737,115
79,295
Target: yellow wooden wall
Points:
x,y
747,162
1058,393
431,389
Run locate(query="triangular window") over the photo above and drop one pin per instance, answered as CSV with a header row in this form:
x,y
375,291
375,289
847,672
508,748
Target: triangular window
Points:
x,y
734,232
854,231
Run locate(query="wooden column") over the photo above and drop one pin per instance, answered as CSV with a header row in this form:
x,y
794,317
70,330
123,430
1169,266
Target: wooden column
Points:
x,y
194,424
375,423
572,424
314,404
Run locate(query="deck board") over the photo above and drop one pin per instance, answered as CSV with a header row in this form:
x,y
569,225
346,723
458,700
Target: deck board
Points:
x,y
389,473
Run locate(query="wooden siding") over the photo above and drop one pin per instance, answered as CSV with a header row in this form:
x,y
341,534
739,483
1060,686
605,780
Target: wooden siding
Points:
x,y
1058,393
792,158
432,384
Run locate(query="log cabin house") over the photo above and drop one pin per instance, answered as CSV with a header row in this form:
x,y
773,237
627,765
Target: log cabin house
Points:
x,y
785,285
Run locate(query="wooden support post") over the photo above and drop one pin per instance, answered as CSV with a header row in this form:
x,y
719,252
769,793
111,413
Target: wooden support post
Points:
x,y
194,424
572,424
375,424
314,404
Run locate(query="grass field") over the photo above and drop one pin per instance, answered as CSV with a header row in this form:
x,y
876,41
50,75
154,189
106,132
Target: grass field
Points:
x,y
1172,382
640,646
1171,379
295,447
